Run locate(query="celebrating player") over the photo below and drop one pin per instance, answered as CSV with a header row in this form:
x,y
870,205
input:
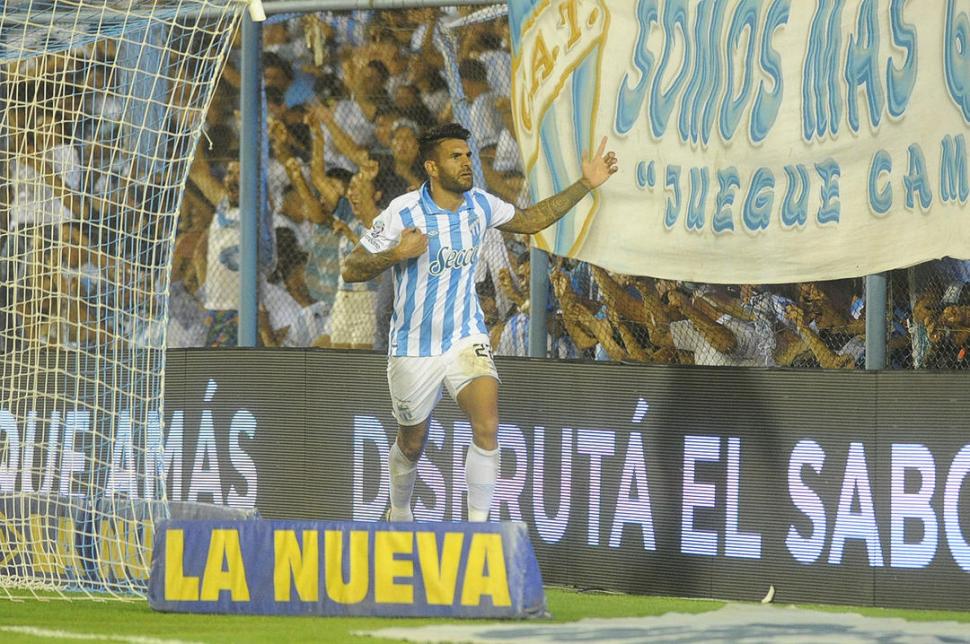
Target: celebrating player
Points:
x,y
430,238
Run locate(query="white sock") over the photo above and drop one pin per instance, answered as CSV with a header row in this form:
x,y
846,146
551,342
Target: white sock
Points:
x,y
481,470
403,471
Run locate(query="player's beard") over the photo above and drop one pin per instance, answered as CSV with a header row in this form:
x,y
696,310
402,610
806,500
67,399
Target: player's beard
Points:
x,y
456,183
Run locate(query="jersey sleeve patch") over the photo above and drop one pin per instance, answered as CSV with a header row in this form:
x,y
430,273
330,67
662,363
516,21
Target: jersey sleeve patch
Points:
x,y
383,234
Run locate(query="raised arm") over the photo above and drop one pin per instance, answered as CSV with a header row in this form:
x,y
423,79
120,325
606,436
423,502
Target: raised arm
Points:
x,y
572,311
311,207
279,140
363,194
596,170
518,297
704,317
200,174
341,139
318,166
634,348
617,298
827,358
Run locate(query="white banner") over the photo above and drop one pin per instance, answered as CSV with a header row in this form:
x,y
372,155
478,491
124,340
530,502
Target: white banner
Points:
x,y
759,140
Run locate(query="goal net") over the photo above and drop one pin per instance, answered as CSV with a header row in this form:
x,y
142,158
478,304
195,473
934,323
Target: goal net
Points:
x,y
102,105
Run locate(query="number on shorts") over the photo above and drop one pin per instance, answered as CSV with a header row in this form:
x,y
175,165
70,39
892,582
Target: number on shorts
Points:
x,y
483,350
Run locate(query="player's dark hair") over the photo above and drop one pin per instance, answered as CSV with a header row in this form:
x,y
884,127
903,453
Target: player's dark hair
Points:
x,y
428,143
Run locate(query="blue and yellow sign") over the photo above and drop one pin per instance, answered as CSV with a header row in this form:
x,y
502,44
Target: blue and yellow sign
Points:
x,y
346,568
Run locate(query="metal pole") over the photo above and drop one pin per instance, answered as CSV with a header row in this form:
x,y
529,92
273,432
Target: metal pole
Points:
x,y
538,302
301,6
250,99
876,321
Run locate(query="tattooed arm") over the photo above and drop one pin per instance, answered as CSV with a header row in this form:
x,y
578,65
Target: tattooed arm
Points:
x,y
546,212
362,265
596,170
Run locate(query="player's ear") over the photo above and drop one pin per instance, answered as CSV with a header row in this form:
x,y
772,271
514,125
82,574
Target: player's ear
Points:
x,y
431,168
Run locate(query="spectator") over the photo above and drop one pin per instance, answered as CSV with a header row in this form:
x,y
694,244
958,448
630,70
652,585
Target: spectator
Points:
x,y
222,265
44,166
84,298
348,124
275,104
586,330
407,101
939,330
277,72
508,157
354,320
826,357
384,121
288,316
386,49
508,186
404,147
349,28
830,321
186,302
486,123
514,337
717,331
425,75
321,272
631,305
422,22
497,59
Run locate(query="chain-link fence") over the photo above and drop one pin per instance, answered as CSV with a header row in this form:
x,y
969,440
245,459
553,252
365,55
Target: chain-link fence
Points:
x,y
348,94
599,315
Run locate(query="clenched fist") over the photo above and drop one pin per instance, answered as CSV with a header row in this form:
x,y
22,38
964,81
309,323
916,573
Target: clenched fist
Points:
x,y
413,243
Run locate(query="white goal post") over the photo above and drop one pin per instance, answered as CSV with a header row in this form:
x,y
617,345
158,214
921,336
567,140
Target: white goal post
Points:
x,y
103,102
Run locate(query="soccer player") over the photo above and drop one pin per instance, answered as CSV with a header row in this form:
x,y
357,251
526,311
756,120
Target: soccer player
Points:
x,y
430,239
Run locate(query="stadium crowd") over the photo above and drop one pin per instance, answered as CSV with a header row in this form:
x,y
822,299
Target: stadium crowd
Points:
x,y
347,96
73,215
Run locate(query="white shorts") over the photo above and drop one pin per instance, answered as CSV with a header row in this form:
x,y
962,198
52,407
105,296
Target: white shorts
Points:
x,y
353,319
415,383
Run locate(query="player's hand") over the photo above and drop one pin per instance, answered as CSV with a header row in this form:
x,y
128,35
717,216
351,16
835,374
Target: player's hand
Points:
x,y
599,167
413,243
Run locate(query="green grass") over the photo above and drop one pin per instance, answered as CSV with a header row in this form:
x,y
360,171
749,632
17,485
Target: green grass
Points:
x,y
135,619
904,613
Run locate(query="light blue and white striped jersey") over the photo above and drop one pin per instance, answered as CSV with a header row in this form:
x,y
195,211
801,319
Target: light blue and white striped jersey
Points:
x,y
435,302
